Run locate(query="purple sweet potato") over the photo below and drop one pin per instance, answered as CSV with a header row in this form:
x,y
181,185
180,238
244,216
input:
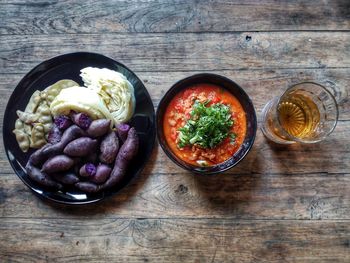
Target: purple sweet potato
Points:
x,y
63,122
122,131
126,153
80,147
68,178
59,163
50,150
109,148
72,133
87,187
102,173
87,170
81,119
40,177
55,135
130,147
38,157
98,128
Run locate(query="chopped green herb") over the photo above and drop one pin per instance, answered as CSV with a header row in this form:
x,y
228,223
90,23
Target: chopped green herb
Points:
x,y
208,125
233,138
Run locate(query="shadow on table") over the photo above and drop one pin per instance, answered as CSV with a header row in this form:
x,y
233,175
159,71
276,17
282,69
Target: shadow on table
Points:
x,y
111,203
299,158
239,191
231,192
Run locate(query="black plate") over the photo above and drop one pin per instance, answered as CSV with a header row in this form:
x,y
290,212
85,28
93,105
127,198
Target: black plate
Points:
x,y
68,66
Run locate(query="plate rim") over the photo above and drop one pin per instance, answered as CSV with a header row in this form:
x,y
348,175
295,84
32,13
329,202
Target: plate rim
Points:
x,y
107,194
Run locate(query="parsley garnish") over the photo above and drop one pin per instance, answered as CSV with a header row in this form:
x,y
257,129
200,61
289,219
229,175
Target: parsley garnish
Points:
x,y
233,138
208,126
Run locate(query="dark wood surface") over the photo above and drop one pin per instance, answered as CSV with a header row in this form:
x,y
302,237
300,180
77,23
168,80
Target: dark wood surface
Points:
x,y
280,204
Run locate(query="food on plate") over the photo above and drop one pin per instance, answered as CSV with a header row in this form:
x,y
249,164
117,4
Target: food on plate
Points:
x,y
71,160
98,128
36,119
126,153
81,119
49,150
122,130
204,125
58,163
40,177
62,122
67,178
27,117
87,187
80,147
22,139
102,173
82,100
33,102
38,136
87,170
44,116
114,89
50,93
55,135
107,95
80,133
109,148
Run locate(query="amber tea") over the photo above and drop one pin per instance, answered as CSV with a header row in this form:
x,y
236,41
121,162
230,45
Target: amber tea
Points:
x,y
306,112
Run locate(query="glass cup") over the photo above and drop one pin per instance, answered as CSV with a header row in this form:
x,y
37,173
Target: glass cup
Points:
x,y
306,113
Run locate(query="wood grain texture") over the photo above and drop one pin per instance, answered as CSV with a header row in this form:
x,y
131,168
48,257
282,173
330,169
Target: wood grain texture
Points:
x,y
329,156
27,17
185,52
280,204
182,195
294,182
261,85
160,240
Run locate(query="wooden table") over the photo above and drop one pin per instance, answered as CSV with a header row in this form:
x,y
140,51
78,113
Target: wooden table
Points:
x,y
281,204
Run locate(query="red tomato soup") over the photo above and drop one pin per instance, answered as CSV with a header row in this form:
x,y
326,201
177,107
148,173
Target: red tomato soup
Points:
x,y
179,112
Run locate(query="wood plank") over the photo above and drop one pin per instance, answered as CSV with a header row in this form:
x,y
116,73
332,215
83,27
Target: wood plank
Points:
x,y
269,83
185,52
50,16
183,195
329,156
318,157
281,204
298,182
161,240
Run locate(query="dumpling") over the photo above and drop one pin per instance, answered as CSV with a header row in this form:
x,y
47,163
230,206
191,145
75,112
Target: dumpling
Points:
x,y
45,118
33,102
38,136
27,117
22,139
50,93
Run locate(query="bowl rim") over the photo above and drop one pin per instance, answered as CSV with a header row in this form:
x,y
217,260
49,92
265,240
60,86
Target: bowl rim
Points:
x,y
207,170
105,194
